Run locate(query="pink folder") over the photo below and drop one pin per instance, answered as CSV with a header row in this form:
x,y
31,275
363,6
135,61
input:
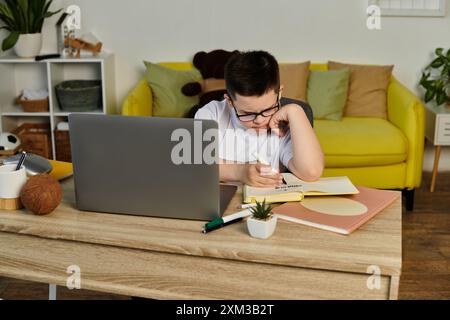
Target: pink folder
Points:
x,y
375,200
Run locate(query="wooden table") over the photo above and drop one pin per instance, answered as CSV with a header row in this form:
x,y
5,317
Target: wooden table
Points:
x,y
171,259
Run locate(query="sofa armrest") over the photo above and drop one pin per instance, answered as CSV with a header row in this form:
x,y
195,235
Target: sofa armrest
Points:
x,y
407,113
139,102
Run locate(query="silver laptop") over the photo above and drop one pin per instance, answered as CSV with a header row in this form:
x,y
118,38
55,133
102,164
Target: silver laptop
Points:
x,y
126,165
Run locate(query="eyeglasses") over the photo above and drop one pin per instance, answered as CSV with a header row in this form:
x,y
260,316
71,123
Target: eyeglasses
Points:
x,y
252,116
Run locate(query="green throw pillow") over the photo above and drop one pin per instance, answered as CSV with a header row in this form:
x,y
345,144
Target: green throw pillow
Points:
x,y
166,84
327,93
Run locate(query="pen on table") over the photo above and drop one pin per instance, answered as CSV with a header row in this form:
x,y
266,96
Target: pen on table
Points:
x,y
218,226
21,160
247,205
225,221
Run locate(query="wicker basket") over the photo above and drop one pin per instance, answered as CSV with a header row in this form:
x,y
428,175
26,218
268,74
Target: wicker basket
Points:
x,y
62,145
35,138
79,95
33,105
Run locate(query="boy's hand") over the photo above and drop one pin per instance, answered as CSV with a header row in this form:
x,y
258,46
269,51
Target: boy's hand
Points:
x,y
256,175
279,122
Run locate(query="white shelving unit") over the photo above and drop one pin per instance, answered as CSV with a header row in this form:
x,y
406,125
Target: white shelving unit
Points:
x,y
17,74
437,131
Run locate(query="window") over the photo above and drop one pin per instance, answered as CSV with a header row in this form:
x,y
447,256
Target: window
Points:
x,y
413,8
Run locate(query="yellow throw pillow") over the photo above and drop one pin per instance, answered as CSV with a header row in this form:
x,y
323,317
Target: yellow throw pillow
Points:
x,y
294,78
367,93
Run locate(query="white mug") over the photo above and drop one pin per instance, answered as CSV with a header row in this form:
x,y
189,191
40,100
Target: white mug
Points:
x,y
11,181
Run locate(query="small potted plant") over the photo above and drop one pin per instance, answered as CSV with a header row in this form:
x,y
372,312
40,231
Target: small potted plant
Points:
x,y
23,19
261,224
436,78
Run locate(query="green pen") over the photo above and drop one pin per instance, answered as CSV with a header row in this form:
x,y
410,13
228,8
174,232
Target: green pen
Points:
x,y
215,226
222,222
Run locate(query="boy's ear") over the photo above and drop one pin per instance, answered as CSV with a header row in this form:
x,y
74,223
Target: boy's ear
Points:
x,y
280,92
227,97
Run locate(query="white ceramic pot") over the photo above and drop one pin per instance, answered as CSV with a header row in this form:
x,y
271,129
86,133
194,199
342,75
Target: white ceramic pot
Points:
x,y
28,45
11,181
261,229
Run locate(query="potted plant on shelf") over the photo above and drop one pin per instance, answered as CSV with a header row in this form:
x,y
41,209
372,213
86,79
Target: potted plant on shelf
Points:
x,y
436,78
24,20
261,224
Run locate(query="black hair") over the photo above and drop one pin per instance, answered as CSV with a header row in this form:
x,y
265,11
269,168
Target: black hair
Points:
x,y
251,73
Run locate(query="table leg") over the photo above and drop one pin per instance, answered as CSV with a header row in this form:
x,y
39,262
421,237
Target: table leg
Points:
x,y
52,292
437,154
394,287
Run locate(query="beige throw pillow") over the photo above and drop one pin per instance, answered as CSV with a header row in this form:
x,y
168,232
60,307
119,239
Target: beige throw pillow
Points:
x,y
367,93
294,78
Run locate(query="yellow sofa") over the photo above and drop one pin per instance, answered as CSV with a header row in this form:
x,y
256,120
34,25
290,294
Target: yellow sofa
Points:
x,y
373,152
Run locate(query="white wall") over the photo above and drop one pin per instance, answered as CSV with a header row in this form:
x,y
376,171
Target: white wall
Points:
x,y
293,30
428,159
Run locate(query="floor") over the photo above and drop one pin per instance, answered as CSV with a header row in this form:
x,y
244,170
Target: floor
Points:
x,y
426,243
426,253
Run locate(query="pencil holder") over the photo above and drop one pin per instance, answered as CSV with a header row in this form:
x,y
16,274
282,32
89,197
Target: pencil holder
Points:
x,y
11,183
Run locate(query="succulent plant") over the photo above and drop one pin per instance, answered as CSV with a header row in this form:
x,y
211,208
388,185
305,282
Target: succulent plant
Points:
x,y
262,211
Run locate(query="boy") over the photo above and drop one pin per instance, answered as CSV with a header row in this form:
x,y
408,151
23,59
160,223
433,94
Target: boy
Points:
x,y
255,128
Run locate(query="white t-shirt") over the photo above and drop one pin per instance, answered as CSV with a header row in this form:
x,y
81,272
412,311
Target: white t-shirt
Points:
x,y
237,143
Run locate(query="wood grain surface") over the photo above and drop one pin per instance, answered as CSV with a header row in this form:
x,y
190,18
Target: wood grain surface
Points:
x,y
169,258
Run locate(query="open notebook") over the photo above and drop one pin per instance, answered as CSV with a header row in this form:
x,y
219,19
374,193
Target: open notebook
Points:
x,y
342,214
295,189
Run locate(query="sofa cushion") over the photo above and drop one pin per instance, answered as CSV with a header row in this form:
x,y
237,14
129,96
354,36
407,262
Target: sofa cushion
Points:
x,y
294,78
139,101
368,89
166,84
327,93
358,142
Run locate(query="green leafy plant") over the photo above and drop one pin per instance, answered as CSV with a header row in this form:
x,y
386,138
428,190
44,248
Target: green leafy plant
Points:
x,y
262,211
23,17
436,78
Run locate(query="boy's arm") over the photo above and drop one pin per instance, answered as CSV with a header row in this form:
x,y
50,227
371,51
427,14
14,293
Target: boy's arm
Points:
x,y
231,172
307,162
249,173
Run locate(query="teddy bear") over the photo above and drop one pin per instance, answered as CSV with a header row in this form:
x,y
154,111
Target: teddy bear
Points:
x,y
212,68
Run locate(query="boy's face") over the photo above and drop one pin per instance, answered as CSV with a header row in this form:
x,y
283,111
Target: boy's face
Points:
x,y
268,102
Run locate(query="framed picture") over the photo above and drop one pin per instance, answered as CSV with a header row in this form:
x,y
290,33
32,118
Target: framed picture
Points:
x,y
411,8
